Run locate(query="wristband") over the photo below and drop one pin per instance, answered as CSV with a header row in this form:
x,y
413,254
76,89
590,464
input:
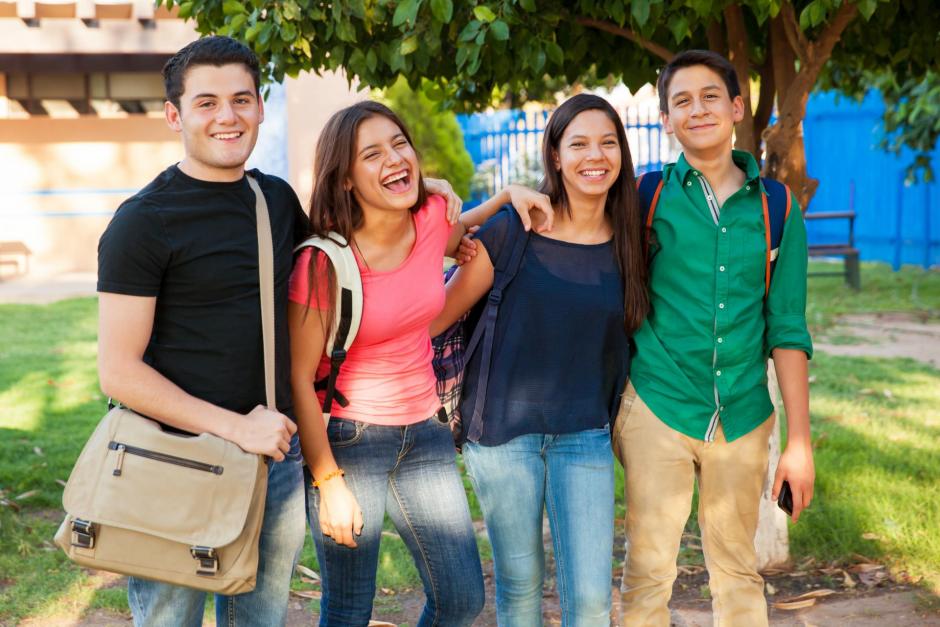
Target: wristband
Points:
x,y
332,475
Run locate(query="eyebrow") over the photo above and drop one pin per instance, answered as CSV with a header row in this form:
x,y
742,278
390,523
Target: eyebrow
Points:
x,y
706,88
244,92
371,146
580,136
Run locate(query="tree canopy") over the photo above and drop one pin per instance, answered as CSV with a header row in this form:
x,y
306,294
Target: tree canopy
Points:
x,y
465,54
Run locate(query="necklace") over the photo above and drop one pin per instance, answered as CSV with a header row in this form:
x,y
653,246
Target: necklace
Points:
x,y
361,255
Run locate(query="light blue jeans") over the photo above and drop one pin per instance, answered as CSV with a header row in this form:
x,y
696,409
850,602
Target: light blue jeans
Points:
x,y
156,604
410,473
571,476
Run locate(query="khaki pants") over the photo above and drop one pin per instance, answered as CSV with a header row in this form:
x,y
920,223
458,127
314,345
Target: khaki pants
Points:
x,y
660,466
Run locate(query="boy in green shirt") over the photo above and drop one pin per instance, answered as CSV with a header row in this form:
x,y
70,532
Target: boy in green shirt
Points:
x,y
698,406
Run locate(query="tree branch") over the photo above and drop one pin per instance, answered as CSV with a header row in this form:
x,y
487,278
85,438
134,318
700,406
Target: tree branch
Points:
x,y
822,47
660,51
791,27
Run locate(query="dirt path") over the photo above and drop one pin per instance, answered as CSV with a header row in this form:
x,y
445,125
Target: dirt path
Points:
x,y
883,335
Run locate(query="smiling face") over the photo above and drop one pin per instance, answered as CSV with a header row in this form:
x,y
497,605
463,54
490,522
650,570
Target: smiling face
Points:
x,y
701,113
384,173
218,119
588,155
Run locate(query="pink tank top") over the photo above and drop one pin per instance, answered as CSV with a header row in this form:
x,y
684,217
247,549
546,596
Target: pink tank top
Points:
x,y
387,376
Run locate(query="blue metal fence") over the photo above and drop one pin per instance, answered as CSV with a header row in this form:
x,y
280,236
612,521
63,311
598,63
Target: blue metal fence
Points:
x,y
896,223
505,146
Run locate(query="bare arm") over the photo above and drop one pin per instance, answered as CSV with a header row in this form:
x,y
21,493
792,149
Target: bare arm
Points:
x,y
471,281
796,463
526,201
340,516
125,324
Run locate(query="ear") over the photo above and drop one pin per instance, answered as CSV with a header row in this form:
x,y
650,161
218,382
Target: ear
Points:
x,y
260,109
737,108
555,160
347,185
172,115
667,125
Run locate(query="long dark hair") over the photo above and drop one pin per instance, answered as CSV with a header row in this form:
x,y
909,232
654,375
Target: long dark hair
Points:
x,y
333,208
622,206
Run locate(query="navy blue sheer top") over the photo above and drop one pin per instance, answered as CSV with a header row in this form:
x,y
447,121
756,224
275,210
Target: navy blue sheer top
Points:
x,y
560,356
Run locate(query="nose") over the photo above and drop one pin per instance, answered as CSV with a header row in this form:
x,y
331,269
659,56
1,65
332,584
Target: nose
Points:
x,y
698,107
594,151
225,113
393,157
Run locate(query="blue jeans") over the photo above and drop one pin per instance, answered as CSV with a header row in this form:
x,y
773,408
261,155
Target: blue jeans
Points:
x,y
155,604
571,476
409,472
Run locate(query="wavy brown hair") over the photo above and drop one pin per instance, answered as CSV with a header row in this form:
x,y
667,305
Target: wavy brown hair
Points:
x,y
622,207
333,208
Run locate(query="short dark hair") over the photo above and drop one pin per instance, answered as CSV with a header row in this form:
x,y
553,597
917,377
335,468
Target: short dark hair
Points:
x,y
215,50
712,60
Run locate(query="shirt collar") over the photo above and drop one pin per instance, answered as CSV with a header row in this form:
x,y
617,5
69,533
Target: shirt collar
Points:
x,y
741,158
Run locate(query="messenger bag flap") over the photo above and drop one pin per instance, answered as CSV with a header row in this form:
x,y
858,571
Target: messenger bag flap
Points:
x,y
134,475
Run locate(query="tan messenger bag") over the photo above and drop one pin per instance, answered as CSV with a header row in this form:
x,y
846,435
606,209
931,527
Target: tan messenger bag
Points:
x,y
185,510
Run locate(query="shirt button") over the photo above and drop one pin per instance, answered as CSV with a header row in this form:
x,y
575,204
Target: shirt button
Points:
x,y
722,408
721,305
720,340
689,184
721,268
747,187
718,373
724,230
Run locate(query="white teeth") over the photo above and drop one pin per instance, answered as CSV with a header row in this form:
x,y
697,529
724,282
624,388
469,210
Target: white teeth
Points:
x,y
594,172
395,177
227,135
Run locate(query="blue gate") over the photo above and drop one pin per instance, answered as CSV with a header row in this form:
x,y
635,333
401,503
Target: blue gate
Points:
x,y
505,146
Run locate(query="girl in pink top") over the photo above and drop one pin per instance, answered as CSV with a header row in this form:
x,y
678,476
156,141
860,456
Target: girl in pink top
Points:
x,y
385,451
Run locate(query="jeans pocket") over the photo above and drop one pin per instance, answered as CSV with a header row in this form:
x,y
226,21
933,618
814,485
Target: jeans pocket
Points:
x,y
294,454
342,432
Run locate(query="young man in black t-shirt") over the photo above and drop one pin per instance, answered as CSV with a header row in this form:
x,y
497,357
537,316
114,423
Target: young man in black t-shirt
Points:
x,y
179,316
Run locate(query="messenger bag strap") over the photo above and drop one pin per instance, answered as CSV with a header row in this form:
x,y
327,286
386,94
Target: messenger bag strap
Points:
x,y
266,284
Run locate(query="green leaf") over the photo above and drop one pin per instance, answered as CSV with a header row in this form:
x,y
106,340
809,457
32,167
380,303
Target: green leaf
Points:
x,y
555,53
406,12
470,30
288,32
442,10
238,22
537,59
372,60
305,46
409,45
252,33
186,10
867,8
500,30
528,5
462,53
233,7
679,26
484,13
640,9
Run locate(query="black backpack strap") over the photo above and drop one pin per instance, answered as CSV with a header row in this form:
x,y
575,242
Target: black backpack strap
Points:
x,y
507,266
776,206
649,187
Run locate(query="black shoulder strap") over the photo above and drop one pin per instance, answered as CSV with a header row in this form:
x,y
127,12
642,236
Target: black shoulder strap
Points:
x,y
777,211
508,262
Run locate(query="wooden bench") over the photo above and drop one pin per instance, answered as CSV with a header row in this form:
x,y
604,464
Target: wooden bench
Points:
x,y
846,249
12,253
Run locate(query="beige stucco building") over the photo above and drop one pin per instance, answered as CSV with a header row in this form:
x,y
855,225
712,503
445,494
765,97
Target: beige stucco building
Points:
x,y
82,128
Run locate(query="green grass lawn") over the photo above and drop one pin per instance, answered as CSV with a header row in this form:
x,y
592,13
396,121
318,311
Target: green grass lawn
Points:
x,y
878,454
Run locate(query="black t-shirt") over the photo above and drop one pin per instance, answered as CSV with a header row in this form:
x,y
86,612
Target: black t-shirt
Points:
x,y
193,244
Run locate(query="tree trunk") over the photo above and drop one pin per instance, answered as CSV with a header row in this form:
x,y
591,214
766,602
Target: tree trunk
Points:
x,y
786,155
745,139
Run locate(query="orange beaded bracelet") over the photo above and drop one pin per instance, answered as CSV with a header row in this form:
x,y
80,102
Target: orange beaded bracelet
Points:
x,y
336,473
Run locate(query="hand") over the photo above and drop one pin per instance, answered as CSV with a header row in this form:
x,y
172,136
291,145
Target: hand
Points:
x,y
468,247
796,467
340,515
525,201
265,432
443,188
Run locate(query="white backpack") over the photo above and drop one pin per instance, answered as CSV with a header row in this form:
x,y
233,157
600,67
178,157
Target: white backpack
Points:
x,y
347,315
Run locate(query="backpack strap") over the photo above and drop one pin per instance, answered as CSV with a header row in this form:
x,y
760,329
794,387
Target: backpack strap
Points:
x,y
649,186
508,261
348,316
776,206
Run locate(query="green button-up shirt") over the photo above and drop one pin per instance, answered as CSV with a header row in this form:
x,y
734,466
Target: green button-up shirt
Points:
x,y
702,352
